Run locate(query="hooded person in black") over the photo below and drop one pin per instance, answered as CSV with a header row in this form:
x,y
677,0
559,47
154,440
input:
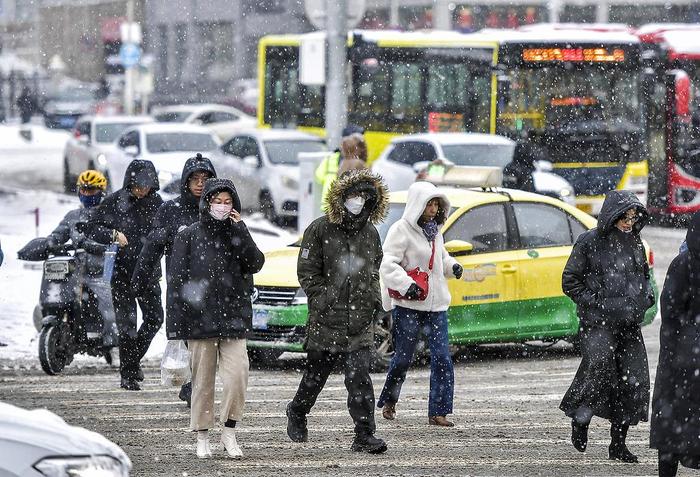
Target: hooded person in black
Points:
x,y
518,173
607,276
128,215
675,413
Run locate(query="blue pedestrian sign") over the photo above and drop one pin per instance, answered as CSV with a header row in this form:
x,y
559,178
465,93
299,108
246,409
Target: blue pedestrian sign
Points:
x,y
129,54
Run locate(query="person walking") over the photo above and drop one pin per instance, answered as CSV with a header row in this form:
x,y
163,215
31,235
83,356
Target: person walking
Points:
x,y
327,170
27,104
172,217
675,412
413,242
338,268
607,277
354,151
128,216
209,305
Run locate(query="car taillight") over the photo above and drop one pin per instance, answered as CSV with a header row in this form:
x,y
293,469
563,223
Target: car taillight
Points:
x,y
651,258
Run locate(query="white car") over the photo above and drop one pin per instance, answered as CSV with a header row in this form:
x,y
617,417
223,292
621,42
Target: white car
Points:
x,y
93,137
264,166
167,146
38,442
406,155
223,120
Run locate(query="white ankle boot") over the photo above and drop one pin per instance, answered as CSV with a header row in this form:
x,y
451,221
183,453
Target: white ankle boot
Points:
x,y
203,450
228,439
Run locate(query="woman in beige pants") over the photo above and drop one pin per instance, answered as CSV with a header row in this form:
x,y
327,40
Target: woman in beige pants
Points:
x,y
209,306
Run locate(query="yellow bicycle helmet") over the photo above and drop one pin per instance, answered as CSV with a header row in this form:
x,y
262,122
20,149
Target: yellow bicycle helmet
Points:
x,y
92,179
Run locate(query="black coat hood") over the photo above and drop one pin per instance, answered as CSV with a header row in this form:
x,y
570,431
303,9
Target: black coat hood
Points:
x,y
616,203
214,186
142,173
194,164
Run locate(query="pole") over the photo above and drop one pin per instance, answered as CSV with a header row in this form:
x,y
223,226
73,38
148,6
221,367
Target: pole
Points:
x,y
336,93
554,7
129,72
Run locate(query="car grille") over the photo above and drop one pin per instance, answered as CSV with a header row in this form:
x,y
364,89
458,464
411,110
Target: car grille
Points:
x,y
278,296
287,334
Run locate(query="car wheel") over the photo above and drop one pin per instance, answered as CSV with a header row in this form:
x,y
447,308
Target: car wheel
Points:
x,y
68,180
267,207
264,357
53,349
383,349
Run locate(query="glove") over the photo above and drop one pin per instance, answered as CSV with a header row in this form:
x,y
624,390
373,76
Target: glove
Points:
x,y
413,292
457,270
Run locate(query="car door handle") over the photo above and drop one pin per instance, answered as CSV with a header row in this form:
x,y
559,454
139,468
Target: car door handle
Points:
x,y
509,269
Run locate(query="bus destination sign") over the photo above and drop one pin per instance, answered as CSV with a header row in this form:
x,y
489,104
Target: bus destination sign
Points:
x,y
591,55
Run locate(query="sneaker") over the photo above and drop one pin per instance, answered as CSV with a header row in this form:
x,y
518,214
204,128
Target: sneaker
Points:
x,y
389,411
203,449
114,356
228,439
368,443
296,426
186,393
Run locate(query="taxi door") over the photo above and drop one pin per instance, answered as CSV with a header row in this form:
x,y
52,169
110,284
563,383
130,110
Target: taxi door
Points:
x,y
482,300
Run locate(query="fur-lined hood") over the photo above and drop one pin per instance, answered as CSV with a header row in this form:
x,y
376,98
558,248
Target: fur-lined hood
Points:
x,y
356,181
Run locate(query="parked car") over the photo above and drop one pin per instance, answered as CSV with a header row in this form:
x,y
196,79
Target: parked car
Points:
x,y
264,166
224,121
39,443
168,146
93,137
513,246
406,155
64,106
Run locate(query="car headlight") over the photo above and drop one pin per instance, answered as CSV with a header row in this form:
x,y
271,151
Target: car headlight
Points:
x,y
94,466
102,159
290,182
300,297
164,178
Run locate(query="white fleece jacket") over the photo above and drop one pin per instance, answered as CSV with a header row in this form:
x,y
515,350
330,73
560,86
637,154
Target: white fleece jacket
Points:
x,y
406,248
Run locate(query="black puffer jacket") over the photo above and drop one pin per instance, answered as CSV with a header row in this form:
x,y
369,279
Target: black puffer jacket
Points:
x,y
607,274
173,216
133,217
211,270
338,266
675,416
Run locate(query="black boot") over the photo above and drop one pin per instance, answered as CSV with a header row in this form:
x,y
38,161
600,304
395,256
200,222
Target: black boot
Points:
x,y
296,425
186,393
618,449
579,435
366,442
130,384
668,464
139,373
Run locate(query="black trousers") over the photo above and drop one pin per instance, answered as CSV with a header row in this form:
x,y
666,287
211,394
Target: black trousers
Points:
x,y
133,342
357,381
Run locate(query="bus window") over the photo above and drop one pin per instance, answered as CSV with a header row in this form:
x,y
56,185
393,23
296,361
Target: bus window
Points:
x,y
406,106
281,87
370,93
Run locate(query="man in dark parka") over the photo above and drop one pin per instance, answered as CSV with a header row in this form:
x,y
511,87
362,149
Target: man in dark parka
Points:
x,y
338,268
607,276
675,414
130,213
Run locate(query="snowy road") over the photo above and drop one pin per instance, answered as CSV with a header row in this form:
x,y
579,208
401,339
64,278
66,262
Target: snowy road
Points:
x,y
506,398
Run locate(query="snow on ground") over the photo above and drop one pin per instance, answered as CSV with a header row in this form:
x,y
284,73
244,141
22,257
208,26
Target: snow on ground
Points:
x,y
39,162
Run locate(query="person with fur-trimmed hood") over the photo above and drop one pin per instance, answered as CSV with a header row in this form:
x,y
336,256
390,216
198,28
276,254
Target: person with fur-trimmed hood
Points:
x,y
338,268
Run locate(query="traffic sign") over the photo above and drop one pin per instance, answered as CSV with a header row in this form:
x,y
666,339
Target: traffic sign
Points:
x,y
129,54
316,12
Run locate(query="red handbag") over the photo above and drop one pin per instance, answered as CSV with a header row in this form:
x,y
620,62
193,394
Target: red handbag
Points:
x,y
421,279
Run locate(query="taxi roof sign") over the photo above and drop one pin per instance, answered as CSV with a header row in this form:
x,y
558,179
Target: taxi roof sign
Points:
x,y
465,176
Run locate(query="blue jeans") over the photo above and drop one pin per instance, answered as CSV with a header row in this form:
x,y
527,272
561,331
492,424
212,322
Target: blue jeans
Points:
x,y
406,330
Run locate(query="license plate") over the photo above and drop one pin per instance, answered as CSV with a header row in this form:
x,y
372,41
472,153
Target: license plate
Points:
x,y
260,319
55,270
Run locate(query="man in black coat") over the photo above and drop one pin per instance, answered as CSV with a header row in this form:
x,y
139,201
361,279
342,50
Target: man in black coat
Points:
x,y
607,276
675,414
172,217
518,173
129,214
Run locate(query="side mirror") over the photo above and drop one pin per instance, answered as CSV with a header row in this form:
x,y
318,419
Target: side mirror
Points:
x,y
131,150
251,161
458,248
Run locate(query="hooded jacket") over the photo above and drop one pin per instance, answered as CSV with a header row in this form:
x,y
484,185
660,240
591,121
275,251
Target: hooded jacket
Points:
x,y
210,280
125,213
675,416
67,230
406,248
607,274
172,217
338,266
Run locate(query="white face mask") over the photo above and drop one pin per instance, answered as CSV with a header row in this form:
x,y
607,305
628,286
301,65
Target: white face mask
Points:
x,y
355,205
220,211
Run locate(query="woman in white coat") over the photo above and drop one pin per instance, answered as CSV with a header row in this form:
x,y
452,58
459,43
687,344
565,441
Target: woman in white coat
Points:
x,y
413,242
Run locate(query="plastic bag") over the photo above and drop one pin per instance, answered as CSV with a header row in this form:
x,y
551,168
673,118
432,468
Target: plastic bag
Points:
x,y
109,259
175,365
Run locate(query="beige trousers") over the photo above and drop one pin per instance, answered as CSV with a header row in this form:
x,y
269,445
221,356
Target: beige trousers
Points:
x,y
232,359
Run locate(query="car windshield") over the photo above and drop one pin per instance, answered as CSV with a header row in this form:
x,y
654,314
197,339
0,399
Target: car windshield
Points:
x,y
286,151
74,95
109,132
178,141
173,116
479,154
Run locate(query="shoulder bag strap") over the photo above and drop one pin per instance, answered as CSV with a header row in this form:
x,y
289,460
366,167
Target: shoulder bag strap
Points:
x,y
432,256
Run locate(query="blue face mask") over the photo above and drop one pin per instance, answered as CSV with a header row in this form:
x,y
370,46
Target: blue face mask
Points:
x,y
90,200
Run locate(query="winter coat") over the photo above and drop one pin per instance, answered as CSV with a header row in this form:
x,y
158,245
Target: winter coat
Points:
x,y
133,217
172,217
67,230
675,416
338,266
406,248
211,268
607,274
351,164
